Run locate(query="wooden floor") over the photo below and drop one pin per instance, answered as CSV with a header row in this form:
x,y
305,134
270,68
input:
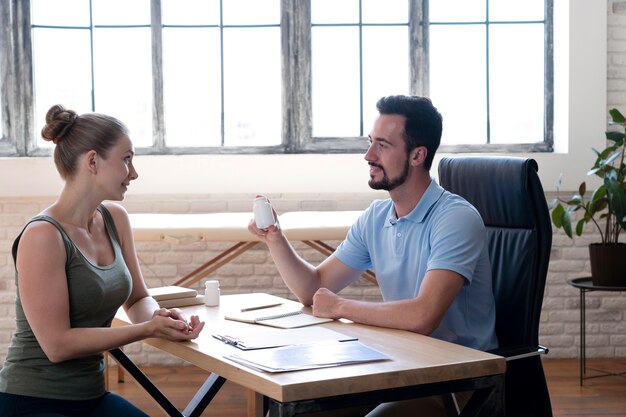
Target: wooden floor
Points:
x,y
598,397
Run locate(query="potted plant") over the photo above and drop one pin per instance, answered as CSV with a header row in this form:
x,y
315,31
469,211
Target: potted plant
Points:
x,y
605,208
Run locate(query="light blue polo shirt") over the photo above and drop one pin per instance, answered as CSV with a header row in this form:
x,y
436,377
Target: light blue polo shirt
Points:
x,y
443,231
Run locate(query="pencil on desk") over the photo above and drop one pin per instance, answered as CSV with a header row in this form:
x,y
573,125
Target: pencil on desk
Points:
x,y
260,307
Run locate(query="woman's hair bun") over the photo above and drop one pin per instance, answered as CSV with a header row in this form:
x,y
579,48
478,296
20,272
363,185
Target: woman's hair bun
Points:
x,y
59,120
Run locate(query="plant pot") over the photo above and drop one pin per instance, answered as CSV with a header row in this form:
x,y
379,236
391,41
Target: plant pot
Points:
x,y
608,264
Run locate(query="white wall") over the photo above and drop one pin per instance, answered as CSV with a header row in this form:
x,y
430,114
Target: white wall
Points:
x,y
580,113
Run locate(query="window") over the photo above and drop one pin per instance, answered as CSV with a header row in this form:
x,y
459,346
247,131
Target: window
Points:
x,y
278,76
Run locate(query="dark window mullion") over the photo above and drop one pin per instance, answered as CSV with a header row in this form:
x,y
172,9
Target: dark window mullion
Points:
x,y
487,78
418,47
158,111
91,58
222,92
361,68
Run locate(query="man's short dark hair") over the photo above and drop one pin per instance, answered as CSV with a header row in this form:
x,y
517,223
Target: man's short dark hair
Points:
x,y
423,122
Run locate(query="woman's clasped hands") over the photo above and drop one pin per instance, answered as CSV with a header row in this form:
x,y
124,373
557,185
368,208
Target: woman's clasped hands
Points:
x,y
171,324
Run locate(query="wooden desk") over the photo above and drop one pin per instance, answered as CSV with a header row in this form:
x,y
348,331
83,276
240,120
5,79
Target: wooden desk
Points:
x,y
420,366
309,227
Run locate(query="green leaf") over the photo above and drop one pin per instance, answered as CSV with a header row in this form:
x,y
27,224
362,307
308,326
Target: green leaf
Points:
x,y
579,227
557,215
566,223
597,202
617,198
611,158
617,137
617,117
582,189
575,200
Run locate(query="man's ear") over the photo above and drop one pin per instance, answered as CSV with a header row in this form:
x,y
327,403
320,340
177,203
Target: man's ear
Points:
x,y
418,155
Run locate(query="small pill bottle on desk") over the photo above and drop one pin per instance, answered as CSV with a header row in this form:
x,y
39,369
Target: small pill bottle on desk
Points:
x,y
212,293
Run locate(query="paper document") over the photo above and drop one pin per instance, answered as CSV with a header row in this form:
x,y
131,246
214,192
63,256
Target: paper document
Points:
x,y
283,317
271,338
307,356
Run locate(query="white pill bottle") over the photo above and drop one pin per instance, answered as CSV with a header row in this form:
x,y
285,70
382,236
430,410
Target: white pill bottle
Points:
x,y
212,293
263,214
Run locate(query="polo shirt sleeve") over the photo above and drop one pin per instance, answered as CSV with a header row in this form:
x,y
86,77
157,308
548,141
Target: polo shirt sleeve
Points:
x,y
353,250
457,240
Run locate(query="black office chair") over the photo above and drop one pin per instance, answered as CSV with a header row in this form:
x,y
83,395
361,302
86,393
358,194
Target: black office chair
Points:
x,y
508,194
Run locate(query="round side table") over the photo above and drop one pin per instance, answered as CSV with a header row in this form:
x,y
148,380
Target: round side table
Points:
x,y
585,285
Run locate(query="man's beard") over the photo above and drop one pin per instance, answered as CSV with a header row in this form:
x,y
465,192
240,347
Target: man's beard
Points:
x,y
387,183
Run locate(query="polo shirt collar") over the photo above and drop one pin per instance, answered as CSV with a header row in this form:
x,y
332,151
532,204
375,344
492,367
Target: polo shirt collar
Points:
x,y
419,213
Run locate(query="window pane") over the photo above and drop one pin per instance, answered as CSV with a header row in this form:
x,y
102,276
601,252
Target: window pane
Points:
x,y
333,11
251,12
60,12
121,12
457,10
252,86
515,10
388,11
516,83
190,12
457,82
192,86
335,81
385,67
68,84
123,81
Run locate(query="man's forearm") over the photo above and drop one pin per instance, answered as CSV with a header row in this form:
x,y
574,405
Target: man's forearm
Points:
x,y
300,276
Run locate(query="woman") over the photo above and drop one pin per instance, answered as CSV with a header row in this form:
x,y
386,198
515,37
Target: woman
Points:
x,y
75,266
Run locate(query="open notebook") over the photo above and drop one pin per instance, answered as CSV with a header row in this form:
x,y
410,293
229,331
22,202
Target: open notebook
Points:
x,y
282,317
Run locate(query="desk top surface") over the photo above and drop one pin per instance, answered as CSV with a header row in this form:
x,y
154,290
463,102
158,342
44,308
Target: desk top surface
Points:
x,y
416,359
221,227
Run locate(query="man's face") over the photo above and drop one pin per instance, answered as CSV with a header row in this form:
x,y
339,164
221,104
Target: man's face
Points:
x,y
387,156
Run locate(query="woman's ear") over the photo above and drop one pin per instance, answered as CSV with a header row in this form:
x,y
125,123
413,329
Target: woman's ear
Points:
x,y
91,159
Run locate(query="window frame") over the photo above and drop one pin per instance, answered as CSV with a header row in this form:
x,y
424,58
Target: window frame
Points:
x,y
17,94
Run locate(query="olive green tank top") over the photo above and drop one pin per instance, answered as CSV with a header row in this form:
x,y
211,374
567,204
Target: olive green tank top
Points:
x,y
95,294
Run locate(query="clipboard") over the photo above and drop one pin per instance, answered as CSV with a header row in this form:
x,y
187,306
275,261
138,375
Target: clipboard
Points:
x,y
273,338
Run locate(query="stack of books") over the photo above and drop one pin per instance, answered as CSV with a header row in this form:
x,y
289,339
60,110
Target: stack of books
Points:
x,y
175,296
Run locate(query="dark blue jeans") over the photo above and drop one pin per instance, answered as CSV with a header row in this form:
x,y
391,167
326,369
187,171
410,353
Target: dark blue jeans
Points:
x,y
109,404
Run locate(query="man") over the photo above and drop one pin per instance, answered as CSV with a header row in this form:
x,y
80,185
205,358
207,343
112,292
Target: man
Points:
x,y
426,245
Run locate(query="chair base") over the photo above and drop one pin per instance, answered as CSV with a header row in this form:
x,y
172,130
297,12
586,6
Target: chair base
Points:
x,y
526,389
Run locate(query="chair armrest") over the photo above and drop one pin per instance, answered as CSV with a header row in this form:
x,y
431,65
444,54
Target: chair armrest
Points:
x,y
520,352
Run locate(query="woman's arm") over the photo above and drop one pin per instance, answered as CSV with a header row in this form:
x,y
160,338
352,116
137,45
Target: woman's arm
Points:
x,y
43,291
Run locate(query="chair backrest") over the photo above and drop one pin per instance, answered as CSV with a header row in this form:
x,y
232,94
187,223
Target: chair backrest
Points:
x,y
508,194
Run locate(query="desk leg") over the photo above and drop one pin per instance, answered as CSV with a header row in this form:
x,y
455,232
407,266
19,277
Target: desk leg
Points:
x,y
486,402
583,339
196,406
143,380
256,404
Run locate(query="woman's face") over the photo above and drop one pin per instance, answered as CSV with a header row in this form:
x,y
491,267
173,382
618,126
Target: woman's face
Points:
x,y
117,169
